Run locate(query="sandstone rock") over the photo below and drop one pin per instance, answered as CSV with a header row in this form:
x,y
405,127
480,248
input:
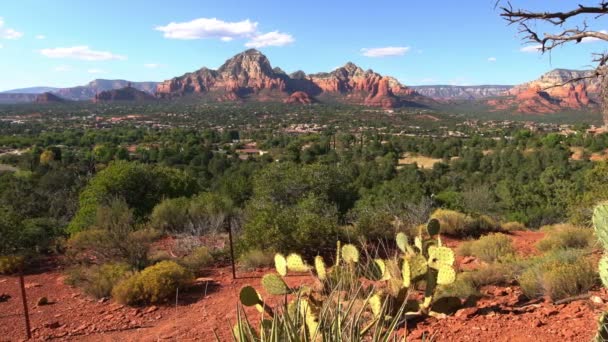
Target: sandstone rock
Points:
x,y
52,325
466,313
42,301
151,309
596,300
299,97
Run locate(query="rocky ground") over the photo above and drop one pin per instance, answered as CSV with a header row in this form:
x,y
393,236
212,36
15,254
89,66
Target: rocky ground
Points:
x,y
208,311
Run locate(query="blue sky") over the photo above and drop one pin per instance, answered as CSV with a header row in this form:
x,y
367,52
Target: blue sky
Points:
x,y
70,42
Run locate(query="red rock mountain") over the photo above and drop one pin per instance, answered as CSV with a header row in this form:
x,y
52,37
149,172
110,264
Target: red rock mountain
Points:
x,y
124,94
48,98
551,93
250,75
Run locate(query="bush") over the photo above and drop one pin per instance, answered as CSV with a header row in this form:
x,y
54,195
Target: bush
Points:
x,y
452,222
566,280
10,264
256,258
154,284
458,224
492,248
198,258
464,249
493,274
512,226
557,274
565,236
101,280
171,215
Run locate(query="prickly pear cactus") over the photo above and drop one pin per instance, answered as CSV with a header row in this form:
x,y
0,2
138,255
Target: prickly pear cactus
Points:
x,y
320,267
275,285
280,263
600,223
350,254
295,263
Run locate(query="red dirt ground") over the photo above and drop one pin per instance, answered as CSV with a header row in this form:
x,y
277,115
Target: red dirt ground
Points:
x,y
210,308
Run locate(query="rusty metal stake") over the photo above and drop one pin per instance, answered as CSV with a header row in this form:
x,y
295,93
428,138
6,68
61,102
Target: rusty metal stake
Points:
x,y
25,311
229,228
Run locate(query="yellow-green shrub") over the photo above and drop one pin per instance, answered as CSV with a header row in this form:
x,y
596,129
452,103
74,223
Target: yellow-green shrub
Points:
x,y
452,222
464,249
10,264
565,236
154,284
566,280
512,226
101,280
492,247
256,258
198,258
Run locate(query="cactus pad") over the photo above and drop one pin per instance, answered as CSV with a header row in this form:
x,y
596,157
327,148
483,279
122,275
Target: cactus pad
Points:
x,y
249,296
350,253
280,264
603,269
405,273
418,243
375,303
320,267
275,285
381,270
402,243
600,223
433,227
446,275
440,256
418,266
296,264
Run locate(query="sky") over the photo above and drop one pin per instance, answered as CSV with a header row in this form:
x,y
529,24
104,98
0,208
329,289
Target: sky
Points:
x,y
65,43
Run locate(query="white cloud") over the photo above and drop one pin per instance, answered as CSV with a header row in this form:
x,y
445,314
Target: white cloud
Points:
x,y
209,28
531,48
593,39
492,59
80,52
62,68
226,39
385,51
40,37
96,71
1,46
152,65
274,38
9,33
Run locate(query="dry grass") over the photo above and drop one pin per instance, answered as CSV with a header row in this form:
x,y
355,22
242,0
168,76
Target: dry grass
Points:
x,y
421,161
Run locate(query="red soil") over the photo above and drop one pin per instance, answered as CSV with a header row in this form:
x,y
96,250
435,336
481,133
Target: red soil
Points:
x,y
503,314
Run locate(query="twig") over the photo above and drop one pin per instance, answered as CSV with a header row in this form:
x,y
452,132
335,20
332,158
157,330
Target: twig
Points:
x,y
571,299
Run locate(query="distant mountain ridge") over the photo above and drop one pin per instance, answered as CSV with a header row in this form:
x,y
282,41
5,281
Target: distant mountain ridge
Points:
x,y
454,92
249,75
30,90
88,91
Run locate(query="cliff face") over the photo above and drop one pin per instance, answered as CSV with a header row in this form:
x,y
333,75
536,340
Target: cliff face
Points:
x,y
552,93
250,74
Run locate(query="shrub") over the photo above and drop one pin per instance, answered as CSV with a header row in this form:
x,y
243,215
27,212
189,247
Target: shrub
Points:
x,y
154,284
558,274
566,280
493,247
493,274
171,215
256,258
460,225
10,264
565,236
198,258
462,288
101,280
464,249
512,226
452,222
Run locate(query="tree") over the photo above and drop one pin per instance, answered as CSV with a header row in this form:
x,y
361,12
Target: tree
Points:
x,y
569,32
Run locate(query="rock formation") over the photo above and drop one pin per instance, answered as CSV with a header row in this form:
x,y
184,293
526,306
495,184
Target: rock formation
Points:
x,y
48,98
125,94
